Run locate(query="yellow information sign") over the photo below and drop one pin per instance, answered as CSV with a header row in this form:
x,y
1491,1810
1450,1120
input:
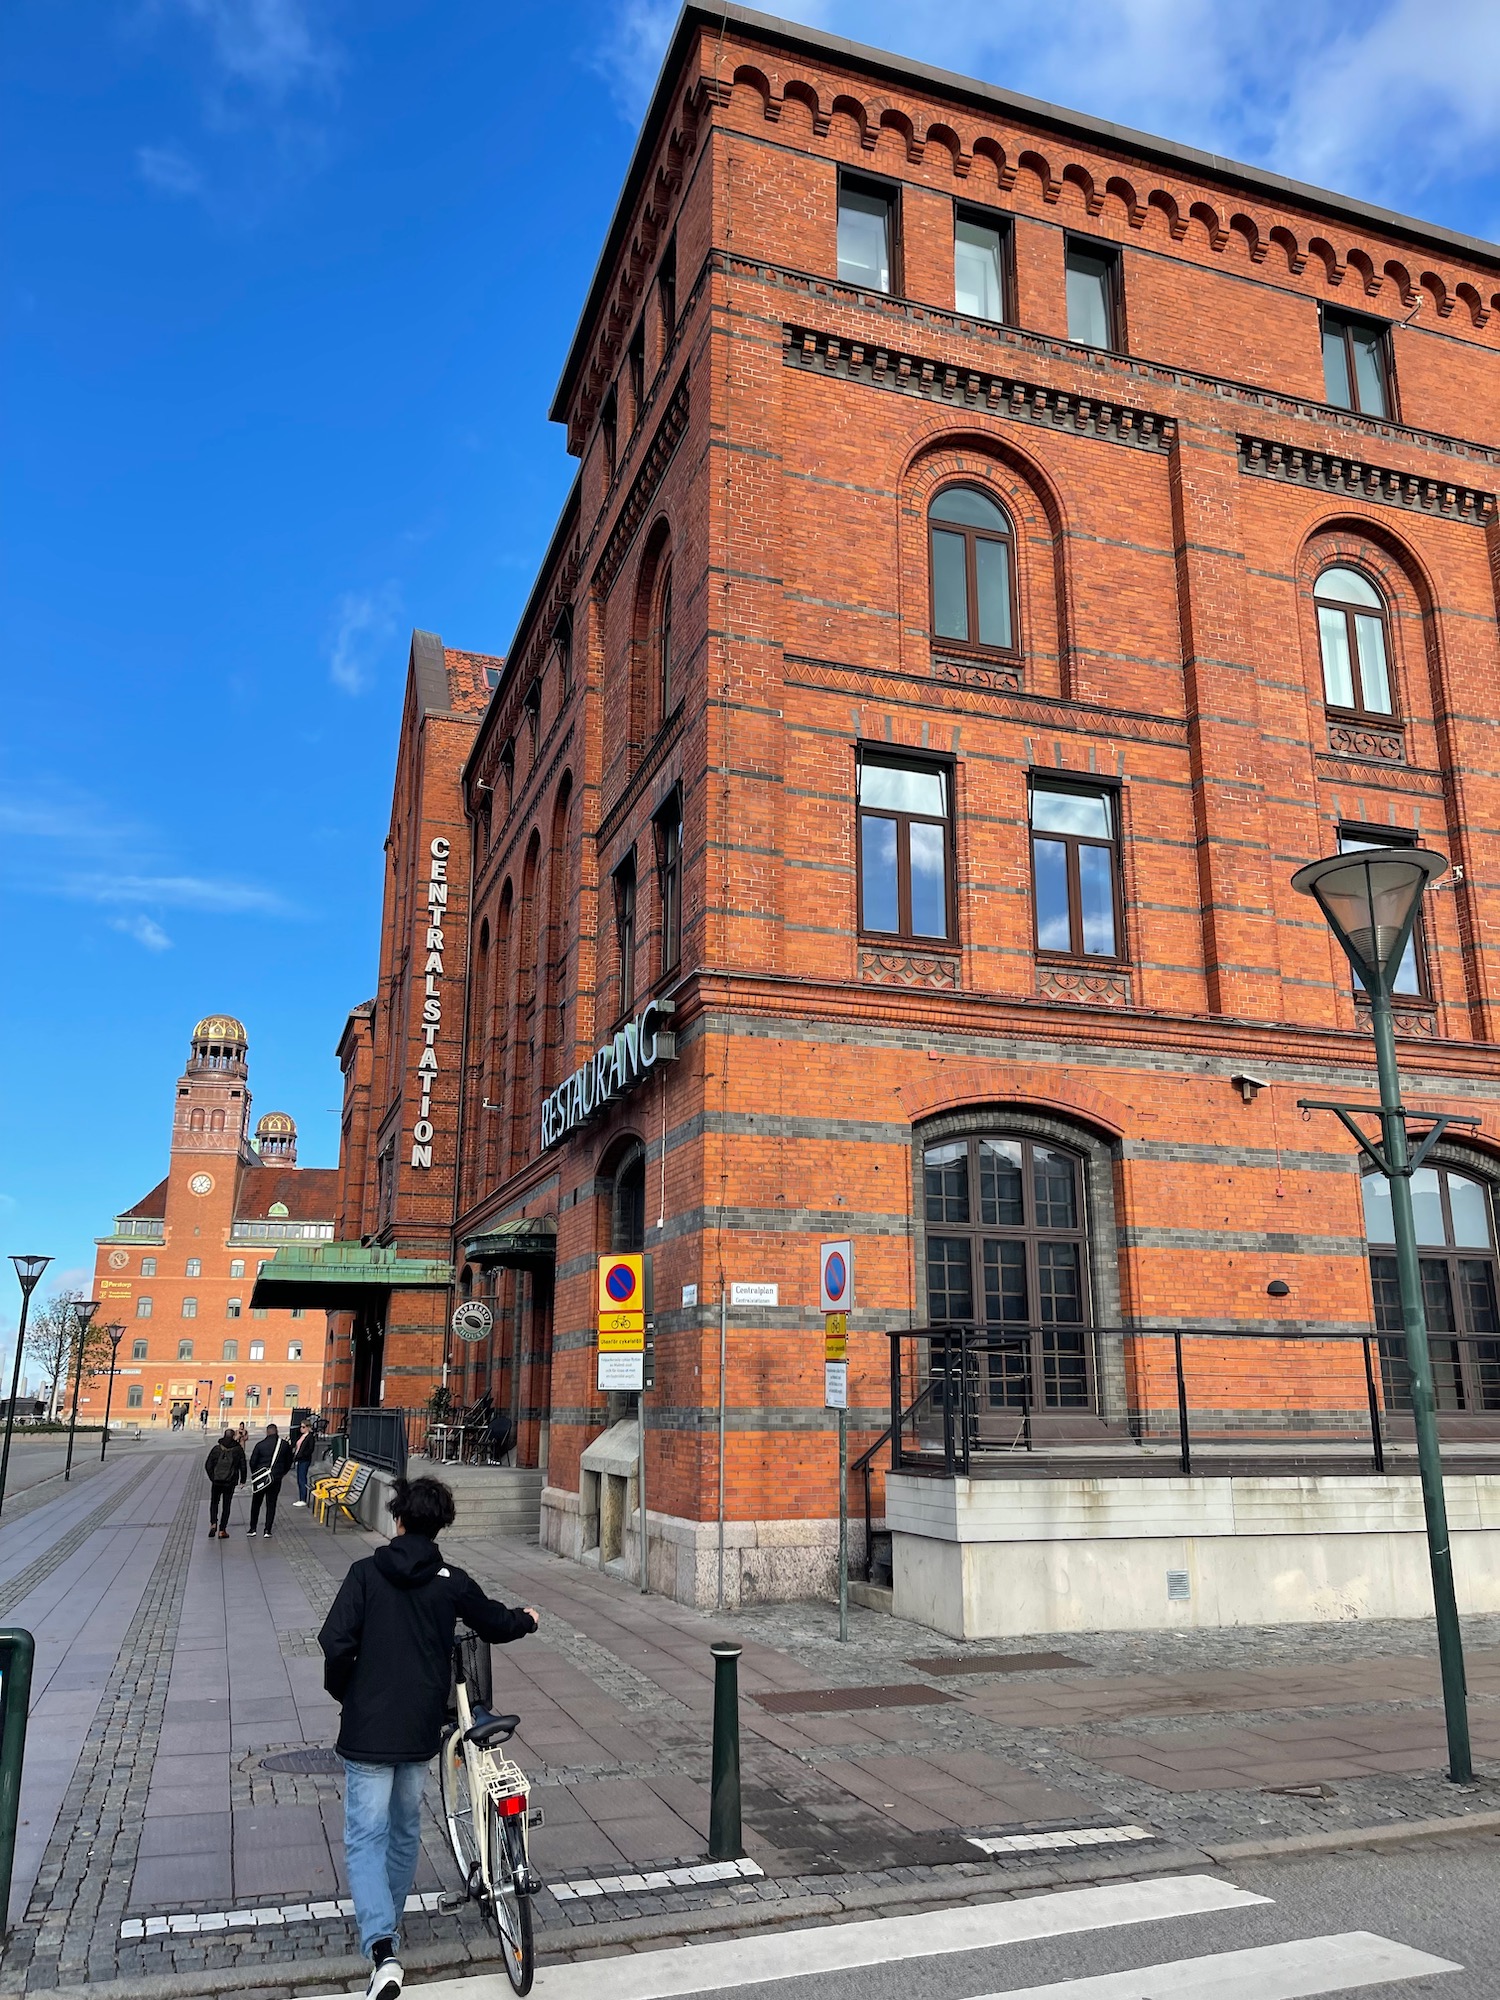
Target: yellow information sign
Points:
x,y
835,1337
623,1339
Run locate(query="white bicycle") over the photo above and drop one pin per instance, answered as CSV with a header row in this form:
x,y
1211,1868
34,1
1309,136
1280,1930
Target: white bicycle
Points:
x,y
486,1801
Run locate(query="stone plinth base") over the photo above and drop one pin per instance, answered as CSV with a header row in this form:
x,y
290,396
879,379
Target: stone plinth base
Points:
x,y
990,1559
765,1562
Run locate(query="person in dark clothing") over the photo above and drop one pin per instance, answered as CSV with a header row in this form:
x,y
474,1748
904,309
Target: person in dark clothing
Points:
x,y
272,1455
303,1440
388,1652
225,1466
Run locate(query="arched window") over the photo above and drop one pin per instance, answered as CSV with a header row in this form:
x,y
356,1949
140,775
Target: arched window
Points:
x,y
1456,1252
666,689
195,1121
1354,643
627,1207
1007,1254
972,571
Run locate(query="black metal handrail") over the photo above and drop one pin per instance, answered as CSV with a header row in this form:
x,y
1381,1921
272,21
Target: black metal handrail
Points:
x,y
378,1437
862,1466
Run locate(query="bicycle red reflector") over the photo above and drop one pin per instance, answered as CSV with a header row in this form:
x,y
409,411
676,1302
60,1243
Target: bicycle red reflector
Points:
x,y
512,1807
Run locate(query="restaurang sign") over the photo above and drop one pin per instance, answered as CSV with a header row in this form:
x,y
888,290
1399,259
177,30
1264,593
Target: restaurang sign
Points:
x,y
616,1067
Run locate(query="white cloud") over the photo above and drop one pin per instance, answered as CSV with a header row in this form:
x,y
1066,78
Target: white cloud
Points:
x,y
1376,102
364,625
171,172
183,892
145,930
267,46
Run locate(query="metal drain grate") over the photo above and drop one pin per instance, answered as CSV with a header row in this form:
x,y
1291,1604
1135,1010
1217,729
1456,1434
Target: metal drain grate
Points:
x,y
831,1701
947,1664
304,1763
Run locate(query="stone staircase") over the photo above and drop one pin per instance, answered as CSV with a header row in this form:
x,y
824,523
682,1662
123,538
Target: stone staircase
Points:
x,y
491,1499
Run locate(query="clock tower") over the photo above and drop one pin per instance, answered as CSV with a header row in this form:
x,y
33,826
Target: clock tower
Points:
x,y
212,1115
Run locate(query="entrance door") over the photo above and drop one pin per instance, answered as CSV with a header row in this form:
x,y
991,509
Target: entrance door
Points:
x,y
1456,1250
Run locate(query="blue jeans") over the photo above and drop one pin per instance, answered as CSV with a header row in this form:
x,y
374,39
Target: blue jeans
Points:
x,y
302,1471
382,1834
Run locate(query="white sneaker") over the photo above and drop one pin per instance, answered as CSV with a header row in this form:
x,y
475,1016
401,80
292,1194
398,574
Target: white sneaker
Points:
x,y
299,1503
385,1981
253,1533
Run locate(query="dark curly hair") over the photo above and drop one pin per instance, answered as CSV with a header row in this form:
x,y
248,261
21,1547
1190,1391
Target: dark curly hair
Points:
x,y
423,1506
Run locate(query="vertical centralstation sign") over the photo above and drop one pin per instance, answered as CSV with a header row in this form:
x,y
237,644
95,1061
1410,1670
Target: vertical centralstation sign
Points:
x,y
623,1285
436,900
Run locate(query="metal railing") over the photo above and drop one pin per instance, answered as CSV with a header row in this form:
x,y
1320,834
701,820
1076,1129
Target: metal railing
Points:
x,y
975,1397
378,1437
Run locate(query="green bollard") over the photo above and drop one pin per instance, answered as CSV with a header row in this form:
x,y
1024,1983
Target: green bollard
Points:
x,y
724,1843
17,1652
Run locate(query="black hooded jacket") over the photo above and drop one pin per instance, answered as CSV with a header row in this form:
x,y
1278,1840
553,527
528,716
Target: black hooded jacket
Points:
x,y
388,1648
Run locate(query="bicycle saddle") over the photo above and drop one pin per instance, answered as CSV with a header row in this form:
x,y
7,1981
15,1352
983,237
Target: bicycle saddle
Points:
x,y
497,1729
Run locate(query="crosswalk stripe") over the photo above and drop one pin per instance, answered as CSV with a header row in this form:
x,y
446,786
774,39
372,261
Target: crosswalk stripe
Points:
x,y
1294,1971
706,1968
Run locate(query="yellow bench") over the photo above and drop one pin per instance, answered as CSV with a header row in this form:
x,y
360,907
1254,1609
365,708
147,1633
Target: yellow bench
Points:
x,y
340,1494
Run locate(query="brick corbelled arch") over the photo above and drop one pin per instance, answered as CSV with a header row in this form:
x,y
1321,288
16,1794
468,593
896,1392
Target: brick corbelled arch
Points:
x,y
975,457
1098,1147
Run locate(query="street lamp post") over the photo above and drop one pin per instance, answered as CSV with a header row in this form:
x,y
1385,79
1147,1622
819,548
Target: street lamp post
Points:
x,y
116,1335
83,1315
29,1271
1370,899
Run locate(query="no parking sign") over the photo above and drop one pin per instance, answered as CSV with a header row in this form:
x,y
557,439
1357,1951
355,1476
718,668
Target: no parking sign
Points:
x,y
836,1268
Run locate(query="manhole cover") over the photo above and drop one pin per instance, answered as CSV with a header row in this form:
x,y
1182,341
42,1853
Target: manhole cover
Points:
x,y
830,1701
946,1664
304,1763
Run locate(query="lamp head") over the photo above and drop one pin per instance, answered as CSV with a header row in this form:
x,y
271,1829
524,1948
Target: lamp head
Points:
x,y
83,1313
1370,899
29,1270
116,1333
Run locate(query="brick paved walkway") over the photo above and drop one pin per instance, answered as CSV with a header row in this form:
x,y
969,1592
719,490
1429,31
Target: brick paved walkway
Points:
x,y
170,1667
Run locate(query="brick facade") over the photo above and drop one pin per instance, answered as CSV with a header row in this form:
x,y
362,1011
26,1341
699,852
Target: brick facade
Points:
x,y
1171,504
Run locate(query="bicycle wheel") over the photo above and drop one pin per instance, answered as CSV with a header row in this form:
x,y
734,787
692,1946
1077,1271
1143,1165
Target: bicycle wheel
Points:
x,y
458,1809
510,1908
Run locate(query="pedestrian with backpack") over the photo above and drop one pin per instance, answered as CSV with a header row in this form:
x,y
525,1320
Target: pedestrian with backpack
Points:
x,y
226,1469
270,1462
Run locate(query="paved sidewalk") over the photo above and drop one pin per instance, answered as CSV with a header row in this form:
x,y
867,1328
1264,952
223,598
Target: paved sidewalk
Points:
x,y
176,1673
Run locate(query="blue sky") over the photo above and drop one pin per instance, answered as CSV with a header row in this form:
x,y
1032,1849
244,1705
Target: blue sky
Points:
x,y
285,290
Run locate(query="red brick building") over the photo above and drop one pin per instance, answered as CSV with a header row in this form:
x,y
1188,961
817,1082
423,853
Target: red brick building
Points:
x,y
1004,548
179,1267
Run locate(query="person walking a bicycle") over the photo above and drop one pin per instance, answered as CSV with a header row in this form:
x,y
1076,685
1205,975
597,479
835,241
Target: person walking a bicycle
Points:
x,y
388,1649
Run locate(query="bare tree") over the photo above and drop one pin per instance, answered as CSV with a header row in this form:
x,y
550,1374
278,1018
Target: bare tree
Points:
x,y
52,1343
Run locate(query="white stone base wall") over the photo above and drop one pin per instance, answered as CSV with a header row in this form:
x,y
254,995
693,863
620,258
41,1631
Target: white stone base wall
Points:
x,y
990,1559
765,1562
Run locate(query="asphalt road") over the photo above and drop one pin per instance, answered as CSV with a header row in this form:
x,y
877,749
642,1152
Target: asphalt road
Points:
x,y
1420,1919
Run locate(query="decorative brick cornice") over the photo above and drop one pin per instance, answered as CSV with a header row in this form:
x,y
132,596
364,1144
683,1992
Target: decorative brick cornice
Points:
x,y
936,972
1044,712
1265,458
658,456
1379,772
1356,739
1001,676
939,381
1093,987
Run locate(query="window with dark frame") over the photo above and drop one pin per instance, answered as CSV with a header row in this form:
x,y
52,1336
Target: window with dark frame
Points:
x,y
1096,315
972,571
669,880
1357,363
867,233
1075,870
1456,1258
636,360
562,646
981,264
1411,974
609,432
1007,1253
1354,644
667,693
904,847
666,293
625,887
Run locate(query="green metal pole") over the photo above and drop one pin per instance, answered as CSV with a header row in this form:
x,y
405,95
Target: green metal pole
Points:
x,y
844,1524
724,1842
15,1383
17,1652
82,1335
1423,1403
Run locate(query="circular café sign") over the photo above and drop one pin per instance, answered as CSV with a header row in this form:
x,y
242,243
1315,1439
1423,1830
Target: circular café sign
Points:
x,y
473,1320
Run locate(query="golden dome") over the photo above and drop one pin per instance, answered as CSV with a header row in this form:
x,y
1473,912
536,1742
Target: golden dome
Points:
x,y
220,1028
276,1124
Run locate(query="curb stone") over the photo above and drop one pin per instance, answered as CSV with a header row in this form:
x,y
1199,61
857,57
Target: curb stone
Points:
x,y
1387,1835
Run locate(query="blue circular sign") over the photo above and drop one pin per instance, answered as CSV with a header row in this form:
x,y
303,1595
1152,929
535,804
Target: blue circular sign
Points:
x,y
835,1276
619,1282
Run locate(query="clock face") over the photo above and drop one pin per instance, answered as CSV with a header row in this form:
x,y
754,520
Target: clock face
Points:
x,y
201,1183
118,1259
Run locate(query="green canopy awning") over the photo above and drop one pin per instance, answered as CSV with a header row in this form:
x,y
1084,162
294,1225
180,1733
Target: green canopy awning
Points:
x,y
330,1277
523,1243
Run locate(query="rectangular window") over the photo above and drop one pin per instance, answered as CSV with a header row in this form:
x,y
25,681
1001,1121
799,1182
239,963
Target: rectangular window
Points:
x,y
148,1267
1356,363
232,1308
636,359
291,1395
903,850
257,1350
294,1350
299,1312
184,1350
194,1267
867,233
139,1350
1095,315
624,880
143,1307
609,433
190,1308
257,1312
231,1350
1410,982
981,264
1075,872
236,1267
135,1396
666,292
669,878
